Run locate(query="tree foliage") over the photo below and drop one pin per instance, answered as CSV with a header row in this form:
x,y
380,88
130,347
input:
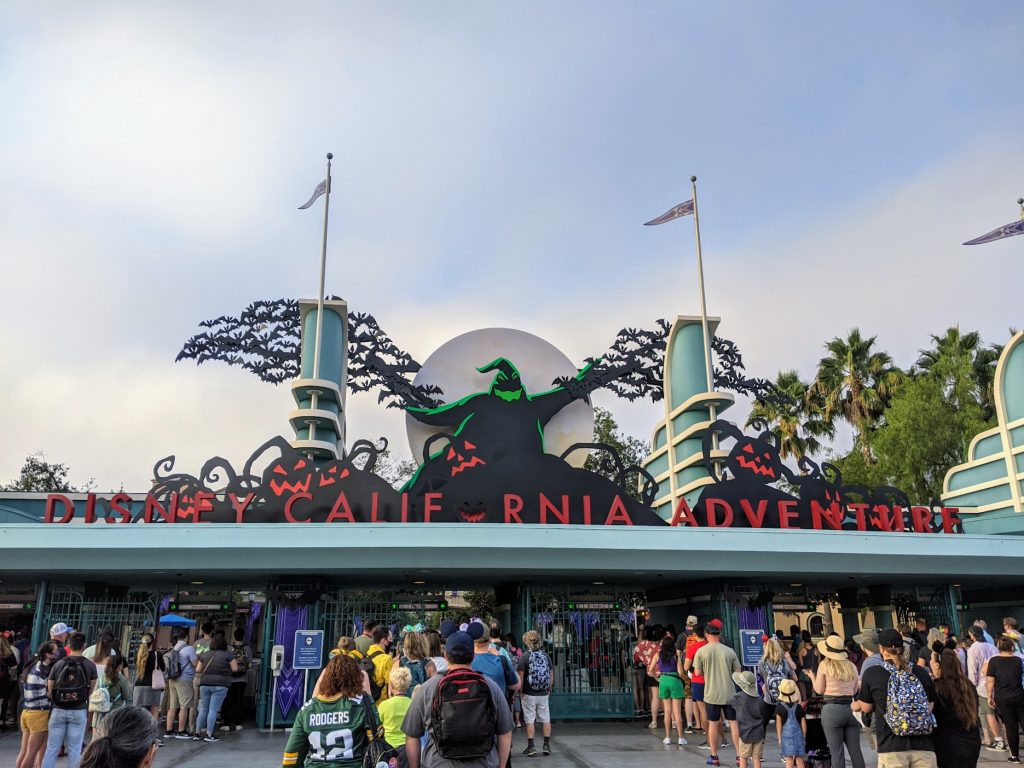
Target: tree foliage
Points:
x,y
632,450
40,476
799,424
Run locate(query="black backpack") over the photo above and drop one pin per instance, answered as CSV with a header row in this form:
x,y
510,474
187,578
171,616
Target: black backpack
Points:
x,y
71,688
366,664
462,715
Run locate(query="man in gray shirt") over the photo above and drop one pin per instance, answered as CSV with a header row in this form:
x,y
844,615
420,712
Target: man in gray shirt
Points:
x,y
459,653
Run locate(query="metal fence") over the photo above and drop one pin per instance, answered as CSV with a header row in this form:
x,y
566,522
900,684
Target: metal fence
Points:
x,y
125,617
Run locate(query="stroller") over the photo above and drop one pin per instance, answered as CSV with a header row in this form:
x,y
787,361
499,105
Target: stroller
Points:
x,y
818,755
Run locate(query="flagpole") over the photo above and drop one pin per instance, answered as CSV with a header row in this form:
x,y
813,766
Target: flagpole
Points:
x,y
1020,202
323,272
709,371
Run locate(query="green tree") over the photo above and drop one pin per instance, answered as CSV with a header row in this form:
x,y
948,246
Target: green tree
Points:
x,y
798,425
40,476
855,383
632,450
482,603
963,367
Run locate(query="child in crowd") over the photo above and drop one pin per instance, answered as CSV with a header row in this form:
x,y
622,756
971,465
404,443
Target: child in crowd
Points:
x,y
392,710
794,727
747,704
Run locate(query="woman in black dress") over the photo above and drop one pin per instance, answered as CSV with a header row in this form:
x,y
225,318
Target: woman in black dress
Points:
x,y
1005,691
957,733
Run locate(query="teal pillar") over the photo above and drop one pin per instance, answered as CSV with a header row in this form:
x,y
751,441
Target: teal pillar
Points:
x,y
266,689
849,609
39,632
953,597
880,597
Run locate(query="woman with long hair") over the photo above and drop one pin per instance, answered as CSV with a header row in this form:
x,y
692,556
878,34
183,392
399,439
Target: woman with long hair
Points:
x,y
35,717
147,662
340,698
435,652
836,679
415,659
957,734
116,685
774,667
126,738
667,670
1005,692
216,666
104,649
646,650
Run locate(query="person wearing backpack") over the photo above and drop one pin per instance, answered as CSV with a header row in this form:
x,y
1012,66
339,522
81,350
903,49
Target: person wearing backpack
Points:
x,y
35,717
535,672
70,684
112,690
836,680
179,672
901,696
235,702
774,667
377,663
464,712
415,649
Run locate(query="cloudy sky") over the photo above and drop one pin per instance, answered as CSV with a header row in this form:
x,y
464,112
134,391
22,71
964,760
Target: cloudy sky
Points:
x,y
493,164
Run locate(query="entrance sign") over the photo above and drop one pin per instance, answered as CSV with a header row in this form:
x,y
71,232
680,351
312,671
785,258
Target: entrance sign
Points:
x,y
751,647
309,649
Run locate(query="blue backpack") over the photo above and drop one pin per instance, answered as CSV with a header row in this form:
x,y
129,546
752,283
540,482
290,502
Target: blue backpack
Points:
x,y
906,704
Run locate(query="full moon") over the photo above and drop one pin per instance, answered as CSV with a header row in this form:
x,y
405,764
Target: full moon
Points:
x,y
452,367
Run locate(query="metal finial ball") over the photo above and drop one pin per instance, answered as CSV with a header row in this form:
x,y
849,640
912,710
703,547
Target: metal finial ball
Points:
x,y
1020,201
330,155
693,178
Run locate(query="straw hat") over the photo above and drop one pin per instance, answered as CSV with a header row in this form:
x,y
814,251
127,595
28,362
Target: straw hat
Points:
x,y
832,648
788,692
746,681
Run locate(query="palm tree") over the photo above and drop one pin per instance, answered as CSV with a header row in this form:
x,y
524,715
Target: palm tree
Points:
x,y
855,383
797,424
965,368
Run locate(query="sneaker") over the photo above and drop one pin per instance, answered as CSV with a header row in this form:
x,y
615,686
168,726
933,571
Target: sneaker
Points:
x,y
996,746
652,724
530,751
713,760
683,742
195,736
211,738
546,750
704,745
181,736
1012,759
689,729
666,740
159,742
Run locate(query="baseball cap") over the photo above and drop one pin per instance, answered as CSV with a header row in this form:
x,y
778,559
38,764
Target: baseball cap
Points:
x,y
447,628
60,628
890,638
713,629
459,647
717,623
478,631
691,621
868,638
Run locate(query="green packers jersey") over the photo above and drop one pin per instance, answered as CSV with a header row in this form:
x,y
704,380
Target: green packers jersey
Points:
x,y
329,733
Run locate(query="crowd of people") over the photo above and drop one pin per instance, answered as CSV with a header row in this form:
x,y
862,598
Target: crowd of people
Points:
x,y
924,696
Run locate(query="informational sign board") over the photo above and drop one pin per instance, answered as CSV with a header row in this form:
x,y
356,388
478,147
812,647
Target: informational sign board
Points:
x,y
751,647
309,649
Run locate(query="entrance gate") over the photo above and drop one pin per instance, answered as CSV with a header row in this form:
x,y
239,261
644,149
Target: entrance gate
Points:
x,y
587,635
126,617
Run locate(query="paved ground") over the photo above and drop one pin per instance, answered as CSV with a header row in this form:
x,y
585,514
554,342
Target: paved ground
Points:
x,y
575,745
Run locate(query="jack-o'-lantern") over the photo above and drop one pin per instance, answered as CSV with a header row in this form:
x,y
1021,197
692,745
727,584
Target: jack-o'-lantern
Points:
x,y
754,458
332,473
460,456
290,474
472,512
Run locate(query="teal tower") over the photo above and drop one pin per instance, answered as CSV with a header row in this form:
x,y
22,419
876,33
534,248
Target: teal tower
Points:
x,y
676,461
319,415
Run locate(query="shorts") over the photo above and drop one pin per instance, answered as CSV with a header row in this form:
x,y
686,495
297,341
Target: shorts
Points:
x,y
670,687
181,694
983,707
752,750
686,688
651,681
697,691
535,709
35,720
914,758
715,712
145,696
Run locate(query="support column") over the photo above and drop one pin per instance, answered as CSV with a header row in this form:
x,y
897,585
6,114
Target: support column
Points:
x,y
266,684
850,611
39,632
953,599
880,600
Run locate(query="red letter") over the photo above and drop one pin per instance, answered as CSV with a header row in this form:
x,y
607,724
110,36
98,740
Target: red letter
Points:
x,y
562,515
374,501
204,503
240,507
153,505
51,502
340,511
90,508
756,519
617,513
586,509
950,519
711,505
787,513
922,517
405,507
117,505
832,517
291,502
431,504
859,510
679,516
513,506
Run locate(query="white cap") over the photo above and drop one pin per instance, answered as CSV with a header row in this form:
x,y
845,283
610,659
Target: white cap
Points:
x,y
60,628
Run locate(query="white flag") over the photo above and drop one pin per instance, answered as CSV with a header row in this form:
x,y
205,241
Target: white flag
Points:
x,y
320,189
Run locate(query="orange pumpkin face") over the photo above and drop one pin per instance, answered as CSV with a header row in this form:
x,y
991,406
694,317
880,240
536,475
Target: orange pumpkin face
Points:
x,y
460,456
288,475
754,458
472,512
332,473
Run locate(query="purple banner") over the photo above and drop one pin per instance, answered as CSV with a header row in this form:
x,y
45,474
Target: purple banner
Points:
x,y
254,614
289,684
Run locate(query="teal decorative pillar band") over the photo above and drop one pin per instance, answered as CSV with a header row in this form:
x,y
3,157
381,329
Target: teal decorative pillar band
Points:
x,y
676,460
319,418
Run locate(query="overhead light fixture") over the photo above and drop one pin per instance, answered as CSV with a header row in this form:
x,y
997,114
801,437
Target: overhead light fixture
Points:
x,y
419,581
598,583
198,582
796,585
